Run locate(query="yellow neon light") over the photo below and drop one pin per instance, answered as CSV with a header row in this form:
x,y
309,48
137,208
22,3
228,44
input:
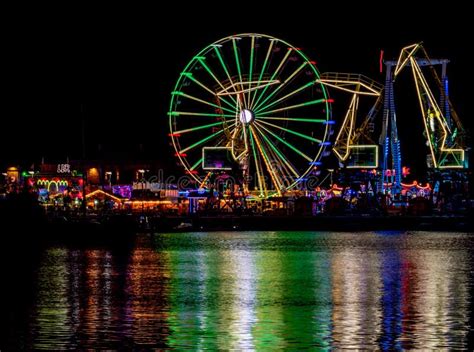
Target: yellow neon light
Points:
x,y
48,183
99,191
351,83
262,84
268,164
419,78
345,133
261,184
407,56
410,51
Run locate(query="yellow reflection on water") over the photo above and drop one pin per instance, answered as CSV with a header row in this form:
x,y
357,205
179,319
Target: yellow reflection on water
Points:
x,y
51,317
147,291
436,302
356,291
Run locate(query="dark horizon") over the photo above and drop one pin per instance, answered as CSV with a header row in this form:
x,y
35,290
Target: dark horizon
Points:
x,y
122,78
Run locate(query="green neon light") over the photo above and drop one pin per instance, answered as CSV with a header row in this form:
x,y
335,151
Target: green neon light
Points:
x,y
262,71
221,60
211,92
206,102
312,139
269,96
296,91
215,78
262,94
204,140
237,59
199,127
282,157
252,49
196,164
288,144
189,113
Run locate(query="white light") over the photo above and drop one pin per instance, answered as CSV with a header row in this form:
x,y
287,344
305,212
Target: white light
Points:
x,y
246,116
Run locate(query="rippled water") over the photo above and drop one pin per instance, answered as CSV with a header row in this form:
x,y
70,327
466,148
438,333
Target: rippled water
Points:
x,y
254,290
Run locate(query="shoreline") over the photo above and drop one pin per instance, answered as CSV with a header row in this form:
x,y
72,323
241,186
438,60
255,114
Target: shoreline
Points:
x,y
312,223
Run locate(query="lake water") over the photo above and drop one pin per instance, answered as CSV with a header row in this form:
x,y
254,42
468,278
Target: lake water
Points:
x,y
250,291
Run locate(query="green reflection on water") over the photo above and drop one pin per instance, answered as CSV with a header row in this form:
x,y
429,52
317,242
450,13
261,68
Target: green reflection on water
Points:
x,y
225,298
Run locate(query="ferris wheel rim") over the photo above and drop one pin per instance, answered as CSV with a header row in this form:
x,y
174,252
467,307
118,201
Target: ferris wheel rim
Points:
x,y
191,168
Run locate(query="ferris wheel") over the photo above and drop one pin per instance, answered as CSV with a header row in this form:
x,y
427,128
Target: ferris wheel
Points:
x,y
250,104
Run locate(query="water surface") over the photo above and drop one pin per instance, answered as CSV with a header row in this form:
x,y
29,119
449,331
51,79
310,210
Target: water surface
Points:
x,y
253,291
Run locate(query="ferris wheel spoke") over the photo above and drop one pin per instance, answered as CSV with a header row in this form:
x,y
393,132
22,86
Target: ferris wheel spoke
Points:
x,y
286,168
187,130
308,103
312,139
277,167
196,164
204,140
239,70
293,119
224,66
264,66
252,50
283,61
279,153
215,106
190,113
279,87
296,150
202,85
208,69
260,177
296,91
268,164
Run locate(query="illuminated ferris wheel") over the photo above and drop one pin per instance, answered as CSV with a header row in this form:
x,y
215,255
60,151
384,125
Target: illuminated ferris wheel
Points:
x,y
250,104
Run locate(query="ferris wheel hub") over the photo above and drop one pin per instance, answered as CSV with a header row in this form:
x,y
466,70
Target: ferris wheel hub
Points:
x,y
246,116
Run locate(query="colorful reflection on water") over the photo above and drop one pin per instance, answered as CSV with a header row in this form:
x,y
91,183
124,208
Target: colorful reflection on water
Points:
x,y
258,291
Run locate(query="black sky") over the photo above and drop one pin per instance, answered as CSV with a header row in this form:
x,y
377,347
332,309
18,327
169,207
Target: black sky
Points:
x,y
121,68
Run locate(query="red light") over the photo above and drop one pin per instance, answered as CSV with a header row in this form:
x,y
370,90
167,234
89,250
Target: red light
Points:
x,y
381,61
312,62
330,100
181,154
174,134
193,172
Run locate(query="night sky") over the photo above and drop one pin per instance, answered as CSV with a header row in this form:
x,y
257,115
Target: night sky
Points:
x,y
122,70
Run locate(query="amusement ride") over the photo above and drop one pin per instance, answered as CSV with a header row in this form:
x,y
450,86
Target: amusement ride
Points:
x,y
256,107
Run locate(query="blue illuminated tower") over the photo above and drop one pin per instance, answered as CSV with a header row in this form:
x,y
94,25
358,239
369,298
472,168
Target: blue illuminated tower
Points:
x,y
391,176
